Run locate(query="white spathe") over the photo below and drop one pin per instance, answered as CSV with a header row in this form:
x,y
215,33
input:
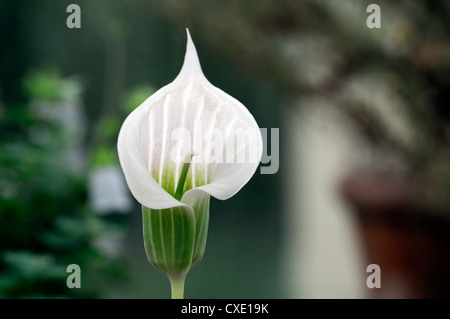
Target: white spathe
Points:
x,y
146,143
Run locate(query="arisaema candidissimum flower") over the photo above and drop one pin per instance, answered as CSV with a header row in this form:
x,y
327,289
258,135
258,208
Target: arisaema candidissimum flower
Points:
x,y
185,143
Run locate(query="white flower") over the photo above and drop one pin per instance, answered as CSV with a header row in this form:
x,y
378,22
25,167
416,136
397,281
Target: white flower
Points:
x,y
187,141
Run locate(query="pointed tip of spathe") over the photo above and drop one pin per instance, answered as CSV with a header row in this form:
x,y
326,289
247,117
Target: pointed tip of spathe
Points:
x,y
190,47
191,64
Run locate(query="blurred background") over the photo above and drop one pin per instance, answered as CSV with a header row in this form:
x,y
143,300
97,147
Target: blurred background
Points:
x,y
364,174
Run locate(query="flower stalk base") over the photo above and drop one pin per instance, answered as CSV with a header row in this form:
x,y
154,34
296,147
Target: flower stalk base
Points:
x,y
177,286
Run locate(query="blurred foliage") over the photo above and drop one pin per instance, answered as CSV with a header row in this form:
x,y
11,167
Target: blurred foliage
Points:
x,y
103,156
45,222
136,96
48,86
108,126
43,85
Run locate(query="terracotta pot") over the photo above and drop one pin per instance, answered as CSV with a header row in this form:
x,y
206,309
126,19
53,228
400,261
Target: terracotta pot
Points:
x,y
411,245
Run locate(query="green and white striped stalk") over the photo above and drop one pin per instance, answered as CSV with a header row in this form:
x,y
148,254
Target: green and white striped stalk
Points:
x,y
192,120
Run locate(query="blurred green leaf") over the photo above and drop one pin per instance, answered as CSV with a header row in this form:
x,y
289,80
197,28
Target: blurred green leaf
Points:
x,y
103,156
48,85
68,233
30,266
136,96
109,128
45,85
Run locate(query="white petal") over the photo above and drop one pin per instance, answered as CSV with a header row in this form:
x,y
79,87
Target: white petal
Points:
x,y
132,159
192,104
226,179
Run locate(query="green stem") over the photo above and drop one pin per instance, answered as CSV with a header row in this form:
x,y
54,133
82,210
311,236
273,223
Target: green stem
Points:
x,y
177,285
182,180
